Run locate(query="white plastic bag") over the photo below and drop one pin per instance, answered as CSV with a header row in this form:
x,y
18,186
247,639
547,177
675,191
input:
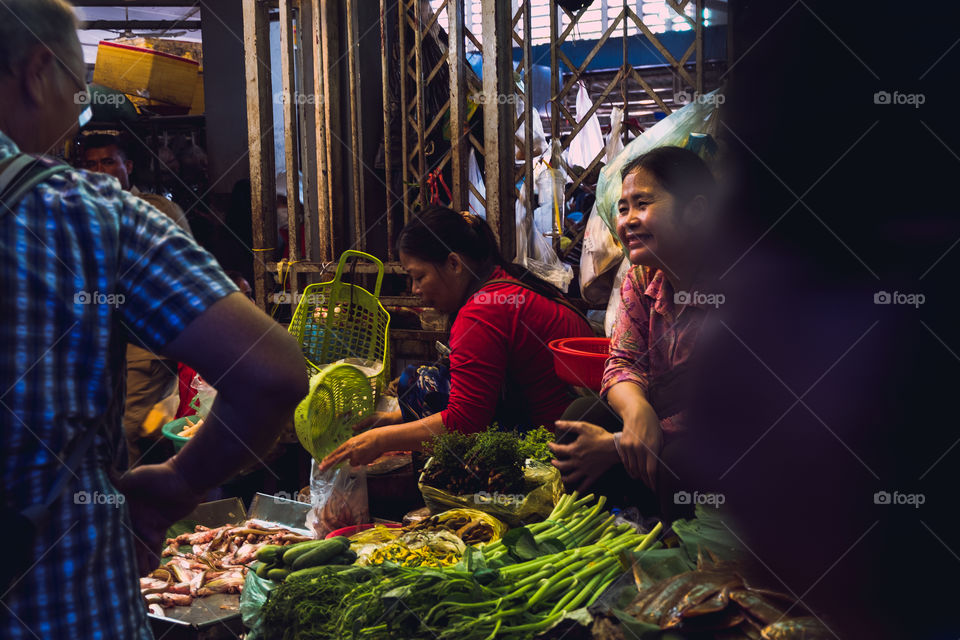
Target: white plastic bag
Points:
x,y
601,253
614,141
588,143
476,179
615,302
536,253
539,137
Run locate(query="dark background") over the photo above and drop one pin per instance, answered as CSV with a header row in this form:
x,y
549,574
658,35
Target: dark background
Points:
x,y
811,397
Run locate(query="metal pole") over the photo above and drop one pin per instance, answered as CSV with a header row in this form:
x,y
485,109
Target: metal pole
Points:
x,y
330,42
404,109
356,135
459,145
421,109
256,47
698,7
319,151
499,121
290,137
387,155
527,195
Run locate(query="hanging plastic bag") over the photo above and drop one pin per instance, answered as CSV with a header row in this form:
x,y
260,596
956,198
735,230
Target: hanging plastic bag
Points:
x,y
206,394
588,143
476,179
338,498
536,253
539,137
697,117
615,302
601,248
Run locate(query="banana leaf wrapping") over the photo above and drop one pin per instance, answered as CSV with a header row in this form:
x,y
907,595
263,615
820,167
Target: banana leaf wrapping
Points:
x,y
542,489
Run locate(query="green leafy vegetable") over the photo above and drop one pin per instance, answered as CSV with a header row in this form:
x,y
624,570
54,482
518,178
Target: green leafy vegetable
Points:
x,y
534,443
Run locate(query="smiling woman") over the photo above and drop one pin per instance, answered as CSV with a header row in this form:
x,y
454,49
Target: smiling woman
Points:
x,y
664,217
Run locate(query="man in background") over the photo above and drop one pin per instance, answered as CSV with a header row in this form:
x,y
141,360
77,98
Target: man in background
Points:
x,y
85,268
150,378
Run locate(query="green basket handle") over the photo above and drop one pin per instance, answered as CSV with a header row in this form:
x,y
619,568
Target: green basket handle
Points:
x,y
338,277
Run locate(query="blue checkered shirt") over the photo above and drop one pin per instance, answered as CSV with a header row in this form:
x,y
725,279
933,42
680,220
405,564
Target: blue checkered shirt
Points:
x,y
84,268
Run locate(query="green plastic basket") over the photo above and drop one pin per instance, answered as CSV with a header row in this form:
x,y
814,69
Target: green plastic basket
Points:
x,y
336,320
339,397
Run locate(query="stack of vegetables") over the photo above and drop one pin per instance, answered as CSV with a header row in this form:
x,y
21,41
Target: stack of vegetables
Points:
x,y
277,563
516,587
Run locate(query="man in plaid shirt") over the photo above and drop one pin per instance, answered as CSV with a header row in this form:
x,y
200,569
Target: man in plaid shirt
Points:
x,y
84,268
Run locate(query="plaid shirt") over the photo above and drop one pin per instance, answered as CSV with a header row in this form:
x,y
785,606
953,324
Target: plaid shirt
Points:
x,y
84,268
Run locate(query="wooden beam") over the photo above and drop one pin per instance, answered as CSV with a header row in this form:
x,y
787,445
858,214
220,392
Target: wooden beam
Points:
x,y
256,45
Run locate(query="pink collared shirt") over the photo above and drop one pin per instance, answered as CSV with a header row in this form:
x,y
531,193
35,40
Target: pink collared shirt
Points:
x,y
653,335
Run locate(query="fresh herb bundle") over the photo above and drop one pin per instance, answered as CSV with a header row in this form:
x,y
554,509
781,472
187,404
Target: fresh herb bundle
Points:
x,y
491,460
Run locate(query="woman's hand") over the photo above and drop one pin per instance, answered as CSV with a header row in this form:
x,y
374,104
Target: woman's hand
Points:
x,y
360,449
640,446
379,419
586,458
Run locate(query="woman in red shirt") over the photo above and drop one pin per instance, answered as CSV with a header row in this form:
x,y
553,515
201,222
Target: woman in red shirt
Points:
x,y
500,366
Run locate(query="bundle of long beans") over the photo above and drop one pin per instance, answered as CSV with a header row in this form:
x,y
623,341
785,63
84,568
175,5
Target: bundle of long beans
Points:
x,y
522,599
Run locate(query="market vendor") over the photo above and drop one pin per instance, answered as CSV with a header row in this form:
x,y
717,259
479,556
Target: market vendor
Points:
x,y
663,219
500,366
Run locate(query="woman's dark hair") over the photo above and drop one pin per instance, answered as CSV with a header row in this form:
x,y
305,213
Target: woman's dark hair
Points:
x,y
437,231
681,172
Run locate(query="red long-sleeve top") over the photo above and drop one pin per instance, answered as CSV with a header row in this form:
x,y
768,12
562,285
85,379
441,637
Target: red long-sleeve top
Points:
x,y
504,329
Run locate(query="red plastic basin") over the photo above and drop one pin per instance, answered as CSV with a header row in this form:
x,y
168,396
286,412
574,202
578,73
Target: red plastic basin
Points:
x,y
581,361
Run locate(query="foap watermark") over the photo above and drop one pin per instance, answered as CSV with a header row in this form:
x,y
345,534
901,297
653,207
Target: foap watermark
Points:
x,y
699,298
299,99
685,97
88,99
708,499
496,297
111,299
483,97
910,499
909,299
280,497
911,99
85,497
497,498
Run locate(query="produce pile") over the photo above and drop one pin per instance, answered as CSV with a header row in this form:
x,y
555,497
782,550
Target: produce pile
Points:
x,y
276,562
470,525
208,561
491,461
516,587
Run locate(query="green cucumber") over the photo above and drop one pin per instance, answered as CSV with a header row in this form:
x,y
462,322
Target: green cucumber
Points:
x,y
320,554
347,557
263,568
294,551
278,574
269,553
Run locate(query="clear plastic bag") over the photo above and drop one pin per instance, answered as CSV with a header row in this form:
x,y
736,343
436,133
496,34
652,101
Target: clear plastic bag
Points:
x,y
338,498
542,489
615,301
588,143
476,179
601,253
697,117
536,253
206,394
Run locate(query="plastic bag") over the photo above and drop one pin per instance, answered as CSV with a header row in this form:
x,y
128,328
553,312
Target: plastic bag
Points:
x,y
614,141
542,489
588,143
338,498
535,252
206,394
615,301
697,117
539,137
601,253
252,598
476,179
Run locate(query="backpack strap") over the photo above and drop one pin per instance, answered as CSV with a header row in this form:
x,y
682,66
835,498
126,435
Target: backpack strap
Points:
x,y
19,174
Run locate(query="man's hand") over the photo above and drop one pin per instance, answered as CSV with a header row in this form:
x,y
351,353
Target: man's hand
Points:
x,y
379,419
640,447
586,458
157,496
360,449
